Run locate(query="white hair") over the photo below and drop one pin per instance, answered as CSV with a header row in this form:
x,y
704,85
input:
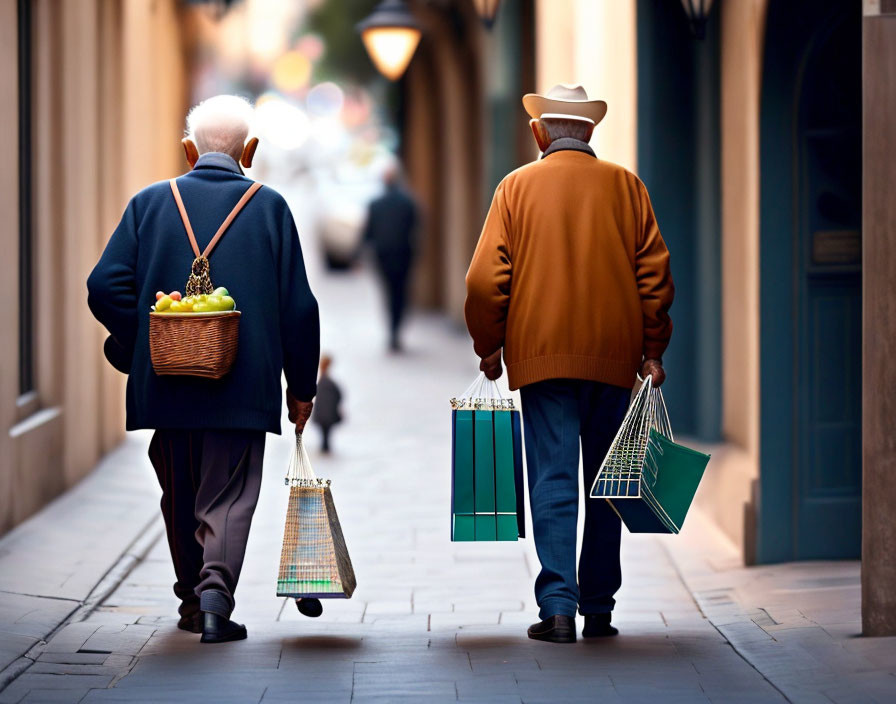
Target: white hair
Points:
x,y
559,126
220,124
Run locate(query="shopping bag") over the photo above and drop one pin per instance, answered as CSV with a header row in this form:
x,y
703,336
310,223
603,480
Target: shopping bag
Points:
x,y
649,479
486,466
314,561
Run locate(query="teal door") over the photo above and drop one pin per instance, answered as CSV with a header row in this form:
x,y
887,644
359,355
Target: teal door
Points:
x,y
810,282
829,296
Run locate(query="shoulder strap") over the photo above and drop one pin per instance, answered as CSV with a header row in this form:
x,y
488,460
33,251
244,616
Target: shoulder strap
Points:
x,y
251,191
183,216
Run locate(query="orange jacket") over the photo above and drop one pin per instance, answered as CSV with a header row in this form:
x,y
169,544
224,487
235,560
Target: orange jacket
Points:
x,y
571,275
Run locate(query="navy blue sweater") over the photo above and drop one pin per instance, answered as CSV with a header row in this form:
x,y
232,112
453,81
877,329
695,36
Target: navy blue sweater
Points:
x,y
259,259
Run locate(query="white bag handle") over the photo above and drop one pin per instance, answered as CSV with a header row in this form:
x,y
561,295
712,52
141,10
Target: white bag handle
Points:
x,y
626,458
482,394
300,472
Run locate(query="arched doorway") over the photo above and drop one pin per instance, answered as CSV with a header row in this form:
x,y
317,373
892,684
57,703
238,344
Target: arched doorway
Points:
x,y
810,282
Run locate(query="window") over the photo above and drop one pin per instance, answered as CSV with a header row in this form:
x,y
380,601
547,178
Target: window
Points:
x,y
26,305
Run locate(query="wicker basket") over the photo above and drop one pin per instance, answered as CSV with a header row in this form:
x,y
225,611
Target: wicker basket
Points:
x,y
193,344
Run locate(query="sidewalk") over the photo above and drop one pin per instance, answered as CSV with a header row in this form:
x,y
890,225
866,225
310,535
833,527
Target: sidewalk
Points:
x,y
87,613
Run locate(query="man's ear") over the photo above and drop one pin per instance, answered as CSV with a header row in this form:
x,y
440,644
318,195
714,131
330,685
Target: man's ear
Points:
x,y
540,132
191,151
249,153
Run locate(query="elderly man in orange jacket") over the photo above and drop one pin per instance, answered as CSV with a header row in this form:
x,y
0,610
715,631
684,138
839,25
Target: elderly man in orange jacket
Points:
x,y
571,280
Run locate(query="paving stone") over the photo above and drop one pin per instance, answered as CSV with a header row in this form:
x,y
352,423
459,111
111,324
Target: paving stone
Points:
x,y
126,640
54,696
13,646
70,638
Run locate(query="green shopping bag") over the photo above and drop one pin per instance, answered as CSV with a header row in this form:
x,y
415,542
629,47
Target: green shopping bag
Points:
x,y
487,466
648,479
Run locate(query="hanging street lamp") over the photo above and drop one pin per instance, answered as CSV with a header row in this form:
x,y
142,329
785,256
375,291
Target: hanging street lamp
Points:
x,y
390,34
698,14
487,9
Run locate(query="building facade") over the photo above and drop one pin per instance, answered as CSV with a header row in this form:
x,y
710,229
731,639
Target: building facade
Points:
x,y
93,103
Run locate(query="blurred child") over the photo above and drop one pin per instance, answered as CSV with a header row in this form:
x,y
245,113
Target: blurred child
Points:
x,y
326,412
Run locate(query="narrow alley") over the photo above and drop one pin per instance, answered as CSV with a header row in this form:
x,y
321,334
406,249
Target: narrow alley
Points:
x,y
430,620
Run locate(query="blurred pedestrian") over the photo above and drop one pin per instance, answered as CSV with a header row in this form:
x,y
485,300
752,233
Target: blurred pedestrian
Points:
x,y
571,279
391,231
209,438
327,412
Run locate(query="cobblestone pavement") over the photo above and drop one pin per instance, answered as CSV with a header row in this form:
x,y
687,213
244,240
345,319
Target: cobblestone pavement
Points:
x,y
87,613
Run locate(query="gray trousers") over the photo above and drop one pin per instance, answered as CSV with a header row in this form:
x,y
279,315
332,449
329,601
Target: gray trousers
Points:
x,y
210,481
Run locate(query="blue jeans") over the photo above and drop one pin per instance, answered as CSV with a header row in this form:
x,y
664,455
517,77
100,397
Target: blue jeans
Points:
x,y
557,413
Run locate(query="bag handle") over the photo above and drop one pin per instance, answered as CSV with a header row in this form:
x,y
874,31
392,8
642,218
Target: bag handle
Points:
x,y
300,472
251,191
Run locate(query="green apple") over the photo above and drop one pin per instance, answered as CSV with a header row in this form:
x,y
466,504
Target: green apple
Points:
x,y
227,303
220,291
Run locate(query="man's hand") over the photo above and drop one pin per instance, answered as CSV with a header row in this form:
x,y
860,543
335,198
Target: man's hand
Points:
x,y
653,367
299,411
491,365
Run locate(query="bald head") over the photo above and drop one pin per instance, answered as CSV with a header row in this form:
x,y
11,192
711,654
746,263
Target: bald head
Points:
x,y
220,124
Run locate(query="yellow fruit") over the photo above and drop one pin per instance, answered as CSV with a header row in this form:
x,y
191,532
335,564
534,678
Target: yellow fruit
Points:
x,y
164,303
214,302
201,307
227,303
176,307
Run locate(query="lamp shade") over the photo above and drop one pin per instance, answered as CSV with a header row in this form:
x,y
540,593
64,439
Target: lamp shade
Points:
x,y
390,34
698,13
487,9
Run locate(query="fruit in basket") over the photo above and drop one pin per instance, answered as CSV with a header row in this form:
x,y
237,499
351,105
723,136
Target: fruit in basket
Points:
x,y
222,303
219,301
159,294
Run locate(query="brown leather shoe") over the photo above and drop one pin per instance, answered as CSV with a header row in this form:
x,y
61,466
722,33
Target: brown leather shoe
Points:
x,y
554,629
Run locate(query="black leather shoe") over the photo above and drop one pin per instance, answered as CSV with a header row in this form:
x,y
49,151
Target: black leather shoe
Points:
x,y
598,626
191,623
312,608
217,629
555,629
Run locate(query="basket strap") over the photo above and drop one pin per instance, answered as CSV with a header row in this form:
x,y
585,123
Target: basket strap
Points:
x,y
251,191
183,216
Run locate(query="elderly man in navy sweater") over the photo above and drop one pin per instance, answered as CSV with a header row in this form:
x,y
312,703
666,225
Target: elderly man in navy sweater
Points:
x,y
209,436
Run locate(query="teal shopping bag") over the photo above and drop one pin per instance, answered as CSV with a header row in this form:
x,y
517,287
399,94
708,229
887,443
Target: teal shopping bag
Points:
x,y
486,467
649,479
669,481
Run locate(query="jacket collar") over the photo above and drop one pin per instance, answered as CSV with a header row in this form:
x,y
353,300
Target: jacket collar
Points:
x,y
568,144
218,160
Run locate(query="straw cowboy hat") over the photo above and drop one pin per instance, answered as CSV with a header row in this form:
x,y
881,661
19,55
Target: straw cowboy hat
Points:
x,y
567,100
